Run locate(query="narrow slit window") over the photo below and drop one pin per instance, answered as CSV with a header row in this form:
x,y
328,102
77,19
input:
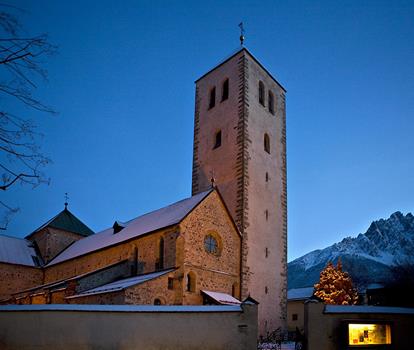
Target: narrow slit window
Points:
x,y
266,142
261,93
191,282
225,91
212,102
159,265
267,214
217,141
267,177
271,103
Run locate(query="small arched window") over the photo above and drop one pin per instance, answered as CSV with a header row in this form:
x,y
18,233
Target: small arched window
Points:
x,y
217,142
225,91
271,103
191,282
261,93
157,301
266,142
212,101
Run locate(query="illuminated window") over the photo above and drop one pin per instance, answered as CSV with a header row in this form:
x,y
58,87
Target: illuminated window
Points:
x,y
369,334
212,102
225,91
217,142
271,103
261,93
266,143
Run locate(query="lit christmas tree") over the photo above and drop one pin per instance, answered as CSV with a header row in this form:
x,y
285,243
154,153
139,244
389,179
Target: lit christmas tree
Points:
x,y
335,286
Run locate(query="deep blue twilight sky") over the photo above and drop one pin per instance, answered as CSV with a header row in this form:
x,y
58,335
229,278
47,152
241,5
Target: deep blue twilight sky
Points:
x,y
123,83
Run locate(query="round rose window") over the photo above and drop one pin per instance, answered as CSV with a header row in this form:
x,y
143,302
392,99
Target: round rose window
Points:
x,y
211,245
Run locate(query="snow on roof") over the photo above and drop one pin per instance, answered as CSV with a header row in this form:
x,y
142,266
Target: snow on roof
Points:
x,y
222,298
364,309
16,251
300,293
121,284
155,220
122,308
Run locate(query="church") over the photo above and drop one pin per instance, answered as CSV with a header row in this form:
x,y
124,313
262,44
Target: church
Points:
x,y
225,243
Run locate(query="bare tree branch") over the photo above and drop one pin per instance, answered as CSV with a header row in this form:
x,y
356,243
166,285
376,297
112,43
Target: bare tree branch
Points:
x,y
21,159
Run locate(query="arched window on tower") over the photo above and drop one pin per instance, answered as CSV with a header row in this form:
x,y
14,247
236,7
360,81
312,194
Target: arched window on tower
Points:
x,y
225,91
261,93
266,143
271,103
212,101
217,141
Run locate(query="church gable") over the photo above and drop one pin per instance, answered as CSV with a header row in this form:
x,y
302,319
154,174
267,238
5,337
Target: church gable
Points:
x,y
143,225
211,257
57,234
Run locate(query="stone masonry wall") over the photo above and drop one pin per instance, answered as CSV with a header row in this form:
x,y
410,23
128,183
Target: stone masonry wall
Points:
x,y
15,278
147,292
115,298
266,210
256,201
212,272
147,256
52,241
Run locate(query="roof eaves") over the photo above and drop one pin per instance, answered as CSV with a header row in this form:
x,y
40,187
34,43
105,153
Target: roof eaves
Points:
x,y
121,288
108,246
253,57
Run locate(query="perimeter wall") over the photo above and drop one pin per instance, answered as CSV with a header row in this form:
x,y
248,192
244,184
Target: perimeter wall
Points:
x,y
80,327
325,328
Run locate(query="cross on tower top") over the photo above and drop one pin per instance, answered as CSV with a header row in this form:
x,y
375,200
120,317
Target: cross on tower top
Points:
x,y
241,33
66,200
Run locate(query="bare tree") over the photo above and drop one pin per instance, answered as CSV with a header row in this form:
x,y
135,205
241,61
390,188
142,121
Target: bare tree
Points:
x,y
21,159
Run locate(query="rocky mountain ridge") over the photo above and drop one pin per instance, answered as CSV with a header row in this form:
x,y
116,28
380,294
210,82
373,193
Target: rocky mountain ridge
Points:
x,y
368,257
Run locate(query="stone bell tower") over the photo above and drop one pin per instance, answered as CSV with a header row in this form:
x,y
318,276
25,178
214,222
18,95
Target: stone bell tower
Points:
x,y
240,140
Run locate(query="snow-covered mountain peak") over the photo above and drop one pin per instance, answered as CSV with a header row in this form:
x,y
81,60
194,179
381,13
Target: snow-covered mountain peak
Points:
x,y
387,242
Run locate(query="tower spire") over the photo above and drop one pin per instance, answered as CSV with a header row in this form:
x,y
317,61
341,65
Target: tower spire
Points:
x,y
241,33
66,200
